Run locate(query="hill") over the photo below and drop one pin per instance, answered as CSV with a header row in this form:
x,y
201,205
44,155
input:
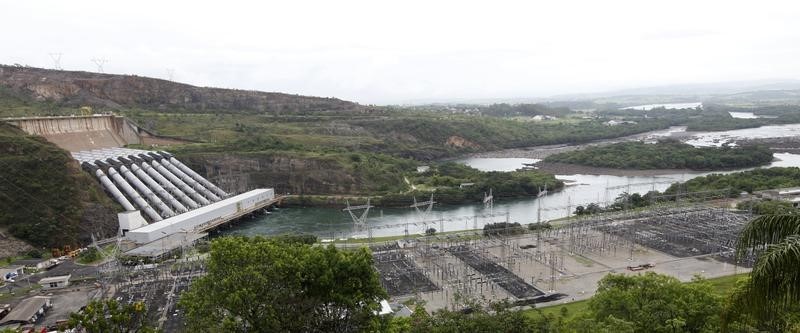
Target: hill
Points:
x,y
45,198
111,91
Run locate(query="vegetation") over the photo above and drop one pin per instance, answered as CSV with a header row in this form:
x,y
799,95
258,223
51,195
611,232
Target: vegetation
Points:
x,y
454,182
44,196
503,229
493,318
110,316
648,302
275,285
665,155
768,207
745,181
773,289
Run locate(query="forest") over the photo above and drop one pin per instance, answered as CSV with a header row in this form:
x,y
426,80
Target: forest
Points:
x,y
668,154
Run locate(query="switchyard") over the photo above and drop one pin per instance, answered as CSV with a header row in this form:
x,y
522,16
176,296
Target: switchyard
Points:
x,y
565,262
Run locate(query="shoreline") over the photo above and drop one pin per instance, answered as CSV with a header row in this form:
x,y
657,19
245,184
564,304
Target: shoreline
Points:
x,y
576,169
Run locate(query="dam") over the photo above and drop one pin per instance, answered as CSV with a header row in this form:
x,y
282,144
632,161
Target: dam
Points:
x,y
162,199
88,132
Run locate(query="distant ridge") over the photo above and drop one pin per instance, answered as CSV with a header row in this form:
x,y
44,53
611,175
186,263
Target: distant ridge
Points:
x,y
114,91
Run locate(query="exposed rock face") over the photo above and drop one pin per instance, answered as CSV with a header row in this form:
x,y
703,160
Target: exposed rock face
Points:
x,y
115,91
459,142
287,174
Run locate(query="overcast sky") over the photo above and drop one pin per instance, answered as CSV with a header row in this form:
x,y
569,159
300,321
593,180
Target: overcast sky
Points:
x,y
398,51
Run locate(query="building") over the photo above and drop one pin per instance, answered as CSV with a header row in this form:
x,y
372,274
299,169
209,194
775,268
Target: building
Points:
x,y
27,312
55,282
423,168
205,217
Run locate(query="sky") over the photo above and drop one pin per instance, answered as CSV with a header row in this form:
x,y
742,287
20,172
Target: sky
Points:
x,y
394,52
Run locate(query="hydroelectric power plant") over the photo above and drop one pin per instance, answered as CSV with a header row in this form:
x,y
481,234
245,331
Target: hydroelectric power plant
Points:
x,y
165,203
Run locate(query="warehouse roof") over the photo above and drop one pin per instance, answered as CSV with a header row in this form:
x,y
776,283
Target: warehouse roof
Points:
x,y
25,310
60,278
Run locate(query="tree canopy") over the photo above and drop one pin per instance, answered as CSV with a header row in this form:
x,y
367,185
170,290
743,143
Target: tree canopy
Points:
x,y
275,285
110,316
668,154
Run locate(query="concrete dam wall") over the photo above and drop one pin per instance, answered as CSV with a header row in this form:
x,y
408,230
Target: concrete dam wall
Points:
x,y
81,133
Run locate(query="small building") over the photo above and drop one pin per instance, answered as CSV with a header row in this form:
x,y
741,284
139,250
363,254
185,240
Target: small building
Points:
x,y
423,168
27,312
55,282
11,273
618,122
465,185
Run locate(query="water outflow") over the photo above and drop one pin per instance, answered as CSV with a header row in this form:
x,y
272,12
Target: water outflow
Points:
x,y
140,202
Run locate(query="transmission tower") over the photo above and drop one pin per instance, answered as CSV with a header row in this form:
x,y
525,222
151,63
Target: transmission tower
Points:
x,y
56,60
170,74
488,202
100,63
423,214
359,221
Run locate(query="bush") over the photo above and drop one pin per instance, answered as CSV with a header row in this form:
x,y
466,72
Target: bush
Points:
x,y
503,228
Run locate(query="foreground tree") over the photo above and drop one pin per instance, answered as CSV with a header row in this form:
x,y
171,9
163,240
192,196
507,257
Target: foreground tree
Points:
x,y
110,316
774,284
496,317
650,303
268,285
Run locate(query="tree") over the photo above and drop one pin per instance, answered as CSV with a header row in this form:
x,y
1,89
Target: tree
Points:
x,y
269,285
496,317
110,316
430,231
774,283
651,303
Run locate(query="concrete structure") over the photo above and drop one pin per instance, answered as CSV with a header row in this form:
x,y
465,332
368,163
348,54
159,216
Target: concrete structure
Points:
x,y
27,312
130,220
78,133
166,245
205,217
55,282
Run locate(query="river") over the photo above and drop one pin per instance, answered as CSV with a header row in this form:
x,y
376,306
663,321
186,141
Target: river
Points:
x,y
581,190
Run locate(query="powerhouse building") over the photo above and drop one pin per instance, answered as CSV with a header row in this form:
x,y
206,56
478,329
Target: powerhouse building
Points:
x,y
204,217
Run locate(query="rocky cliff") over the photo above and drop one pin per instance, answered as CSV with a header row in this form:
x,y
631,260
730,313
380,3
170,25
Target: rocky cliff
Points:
x,y
109,91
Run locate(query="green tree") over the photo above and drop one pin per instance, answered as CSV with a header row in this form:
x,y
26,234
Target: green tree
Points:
x,y
496,317
267,285
774,284
651,303
110,316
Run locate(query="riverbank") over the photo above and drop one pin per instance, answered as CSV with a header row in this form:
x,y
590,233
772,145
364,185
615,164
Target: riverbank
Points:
x,y
575,169
541,152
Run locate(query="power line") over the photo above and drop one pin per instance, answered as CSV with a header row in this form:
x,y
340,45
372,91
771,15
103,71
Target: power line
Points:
x,y
100,62
56,60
